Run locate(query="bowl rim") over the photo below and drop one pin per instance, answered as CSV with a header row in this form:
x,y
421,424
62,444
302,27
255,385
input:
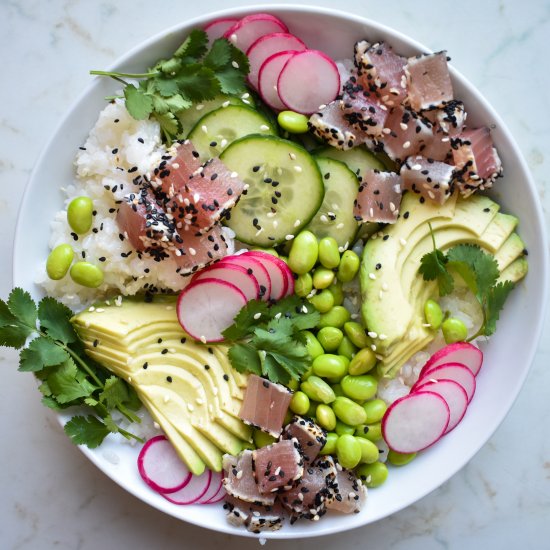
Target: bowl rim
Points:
x,y
457,76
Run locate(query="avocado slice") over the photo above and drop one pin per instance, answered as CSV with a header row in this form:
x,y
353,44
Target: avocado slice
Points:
x,y
511,249
515,271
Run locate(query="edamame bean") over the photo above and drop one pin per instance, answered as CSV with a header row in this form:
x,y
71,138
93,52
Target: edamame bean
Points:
x,y
369,451
312,408
329,448
86,274
330,338
318,390
303,253
322,278
323,301
329,256
59,261
292,122
400,459
357,334
299,403
349,411
349,266
303,285
336,317
337,389
330,365
372,475
346,348
325,417
372,432
433,314
79,214
261,439
359,387
313,347
342,429
348,451
375,409
363,361
454,330
338,293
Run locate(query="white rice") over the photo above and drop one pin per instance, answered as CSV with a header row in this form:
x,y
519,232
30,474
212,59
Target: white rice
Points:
x,y
116,144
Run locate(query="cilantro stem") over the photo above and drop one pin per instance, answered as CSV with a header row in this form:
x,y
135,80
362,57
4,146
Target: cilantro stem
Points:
x,y
130,416
118,76
129,435
76,358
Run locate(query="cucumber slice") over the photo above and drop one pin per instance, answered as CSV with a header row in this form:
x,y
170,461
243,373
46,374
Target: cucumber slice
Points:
x,y
335,217
285,189
357,159
216,130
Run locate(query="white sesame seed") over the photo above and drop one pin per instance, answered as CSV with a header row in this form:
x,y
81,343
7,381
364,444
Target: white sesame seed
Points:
x,y
99,310
156,425
234,64
372,334
264,127
226,104
204,128
292,156
373,347
406,145
298,169
340,225
192,251
323,218
203,339
372,276
402,241
382,336
297,223
289,237
403,126
199,107
257,316
223,142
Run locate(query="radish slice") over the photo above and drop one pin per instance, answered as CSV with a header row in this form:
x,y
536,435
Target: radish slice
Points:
x,y
213,489
234,274
450,371
193,491
460,352
254,268
308,80
207,307
415,421
279,273
216,29
268,77
220,495
244,33
160,466
454,395
265,47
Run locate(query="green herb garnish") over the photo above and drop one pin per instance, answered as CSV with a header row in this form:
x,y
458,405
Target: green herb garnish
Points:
x,y
266,339
68,377
195,73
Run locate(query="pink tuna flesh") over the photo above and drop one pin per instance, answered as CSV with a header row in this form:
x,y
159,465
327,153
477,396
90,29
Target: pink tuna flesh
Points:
x,y
428,178
310,436
254,517
331,126
450,117
347,495
429,81
378,198
363,110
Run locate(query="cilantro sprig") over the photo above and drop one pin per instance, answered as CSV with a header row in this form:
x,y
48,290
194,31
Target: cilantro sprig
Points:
x,y
194,73
266,338
478,269
67,377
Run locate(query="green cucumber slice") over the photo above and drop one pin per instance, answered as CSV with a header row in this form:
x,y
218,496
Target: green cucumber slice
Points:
x,y
335,217
219,128
285,189
358,159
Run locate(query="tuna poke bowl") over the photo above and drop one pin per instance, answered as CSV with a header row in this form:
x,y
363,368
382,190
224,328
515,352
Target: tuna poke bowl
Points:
x,y
280,259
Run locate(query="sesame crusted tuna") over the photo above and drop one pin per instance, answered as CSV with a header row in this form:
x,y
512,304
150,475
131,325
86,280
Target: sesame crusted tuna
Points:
x,y
450,118
278,466
265,405
431,179
429,81
363,110
310,436
347,493
378,198
331,126
254,517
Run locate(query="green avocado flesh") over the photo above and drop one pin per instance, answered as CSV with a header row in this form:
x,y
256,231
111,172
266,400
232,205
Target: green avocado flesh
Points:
x,y
190,389
394,292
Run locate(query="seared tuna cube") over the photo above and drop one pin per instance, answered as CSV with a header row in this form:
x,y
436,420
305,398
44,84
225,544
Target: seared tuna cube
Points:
x,y
254,517
429,178
310,436
347,493
265,405
378,198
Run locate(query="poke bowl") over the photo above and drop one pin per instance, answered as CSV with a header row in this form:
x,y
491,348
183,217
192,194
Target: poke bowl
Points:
x,y
507,354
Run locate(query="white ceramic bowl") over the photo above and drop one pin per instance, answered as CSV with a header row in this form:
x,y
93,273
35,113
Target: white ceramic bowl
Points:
x,y
508,355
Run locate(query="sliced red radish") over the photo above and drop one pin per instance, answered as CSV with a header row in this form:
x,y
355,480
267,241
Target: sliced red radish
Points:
x,y
450,371
234,274
268,77
207,307
219,496
460,352
215,484
279,273
455,396
265,47
254,268
193,491
217,28
416,421
160,466
308,80
246,31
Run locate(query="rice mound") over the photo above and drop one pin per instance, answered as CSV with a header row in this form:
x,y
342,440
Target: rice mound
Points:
x,y
116,144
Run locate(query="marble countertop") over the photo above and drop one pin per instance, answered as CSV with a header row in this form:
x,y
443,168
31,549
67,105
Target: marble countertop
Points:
x,y
52,496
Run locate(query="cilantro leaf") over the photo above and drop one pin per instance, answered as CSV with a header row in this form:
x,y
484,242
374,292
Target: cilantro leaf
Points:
x,y
86,430
14,336
7,318
194,46
253,312
198,82
230,81
495,302
41,352
245,358
433,267
166,86
114,393
138,103
23,307
56,319
169,124
274,370
219,54
65,385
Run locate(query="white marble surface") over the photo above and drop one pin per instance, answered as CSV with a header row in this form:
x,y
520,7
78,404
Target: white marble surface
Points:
x,y
51,496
